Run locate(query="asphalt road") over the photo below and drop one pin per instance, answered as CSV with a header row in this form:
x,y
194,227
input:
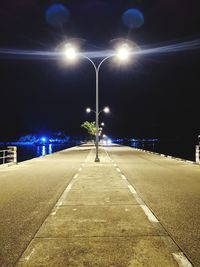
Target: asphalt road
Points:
x,y
28,192
171,189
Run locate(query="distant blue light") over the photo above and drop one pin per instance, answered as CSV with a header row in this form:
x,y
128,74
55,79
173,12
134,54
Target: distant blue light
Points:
x,y
43,139
133,18
57,15
109,142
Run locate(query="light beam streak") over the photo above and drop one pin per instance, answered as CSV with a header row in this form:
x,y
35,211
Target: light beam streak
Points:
x,y
55,55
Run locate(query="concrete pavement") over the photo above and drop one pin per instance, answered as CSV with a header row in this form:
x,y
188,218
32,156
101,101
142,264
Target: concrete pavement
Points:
x,y
28,192
171,188
101,220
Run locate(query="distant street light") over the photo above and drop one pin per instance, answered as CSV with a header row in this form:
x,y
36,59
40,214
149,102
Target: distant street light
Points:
x,y
122,53
88,110
105,110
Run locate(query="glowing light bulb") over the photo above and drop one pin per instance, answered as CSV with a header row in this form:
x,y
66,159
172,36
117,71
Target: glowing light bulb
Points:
x,y
106,110
88,110
70,52
123,52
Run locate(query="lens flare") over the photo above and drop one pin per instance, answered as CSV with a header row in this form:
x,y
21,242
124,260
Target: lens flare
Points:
x,y
133,18
57,15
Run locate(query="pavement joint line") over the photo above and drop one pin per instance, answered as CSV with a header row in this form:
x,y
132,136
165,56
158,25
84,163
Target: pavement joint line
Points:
x,y
103,236
99,204
181,259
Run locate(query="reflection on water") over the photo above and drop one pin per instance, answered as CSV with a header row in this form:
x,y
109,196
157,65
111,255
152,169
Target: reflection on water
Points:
x,y
50,148
178,148
144,144
44,150
25,152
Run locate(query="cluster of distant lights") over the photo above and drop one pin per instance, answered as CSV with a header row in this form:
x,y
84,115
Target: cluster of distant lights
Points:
x,y
105,110
107,142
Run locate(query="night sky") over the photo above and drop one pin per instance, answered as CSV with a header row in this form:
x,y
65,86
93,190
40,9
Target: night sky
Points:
x,y
157,95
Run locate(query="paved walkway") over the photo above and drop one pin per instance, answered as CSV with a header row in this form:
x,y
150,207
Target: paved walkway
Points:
x,y
101,221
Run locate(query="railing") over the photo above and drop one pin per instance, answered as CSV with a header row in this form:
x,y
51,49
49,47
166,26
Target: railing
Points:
x,y
197,154
8,155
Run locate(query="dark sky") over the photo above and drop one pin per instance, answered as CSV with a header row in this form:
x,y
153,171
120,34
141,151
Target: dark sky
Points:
x,y
156,96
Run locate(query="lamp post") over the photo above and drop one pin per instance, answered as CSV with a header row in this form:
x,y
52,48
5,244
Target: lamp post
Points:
x,y
122,54
97,68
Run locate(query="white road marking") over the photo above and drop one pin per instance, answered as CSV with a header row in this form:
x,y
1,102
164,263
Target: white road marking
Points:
x,y
75,176
28,257
149,214
115,164
69,187
139,200
131,188
123,177
55,211
118,169
181,259
80,169
60,203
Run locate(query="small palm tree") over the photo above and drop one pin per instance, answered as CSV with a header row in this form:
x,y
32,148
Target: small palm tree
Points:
x,y
90,127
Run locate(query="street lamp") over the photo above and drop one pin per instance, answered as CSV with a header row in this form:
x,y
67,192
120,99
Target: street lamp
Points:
x,y
105,110
88,110
122,54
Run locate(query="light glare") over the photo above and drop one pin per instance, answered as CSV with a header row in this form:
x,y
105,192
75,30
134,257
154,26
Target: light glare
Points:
x,y
88,110
106,110
70,52
123,52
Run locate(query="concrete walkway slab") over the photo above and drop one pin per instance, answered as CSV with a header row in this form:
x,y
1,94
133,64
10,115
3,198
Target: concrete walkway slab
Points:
x,y
100,183
100,197
97,221
98,252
